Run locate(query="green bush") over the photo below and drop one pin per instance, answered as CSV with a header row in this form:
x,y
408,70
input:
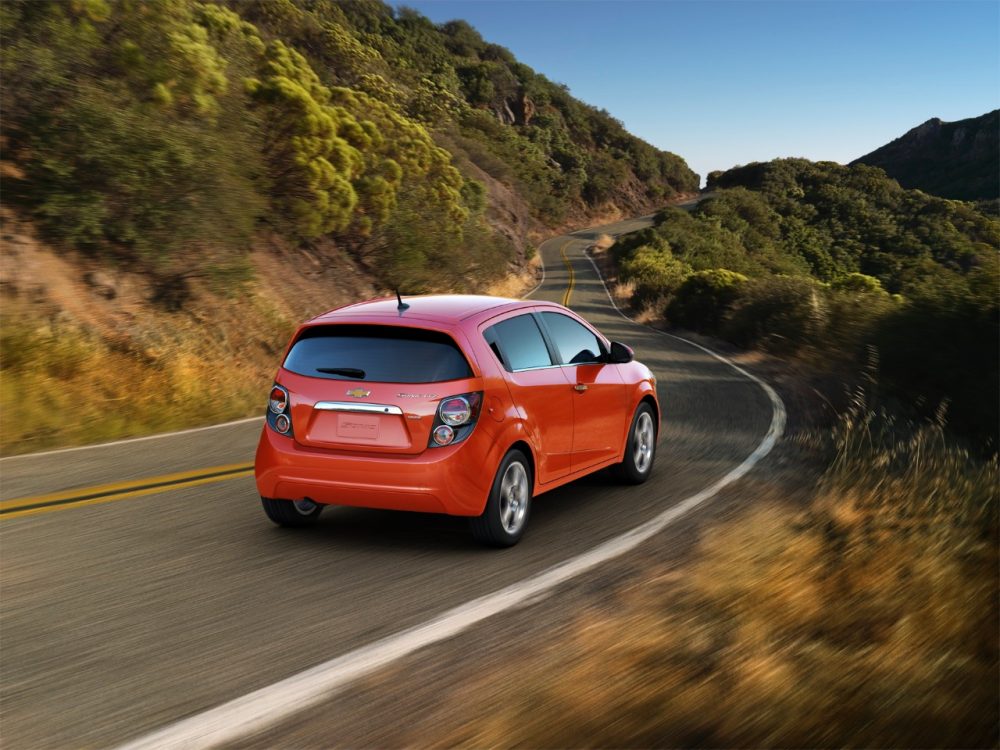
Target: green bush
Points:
x,y
942,347
163,133
781,313
655,272
858,283
314,149
422,252
124,125
853,319
704,298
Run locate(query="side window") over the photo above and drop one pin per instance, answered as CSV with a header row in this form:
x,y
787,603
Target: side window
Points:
x,y
518,343
574,342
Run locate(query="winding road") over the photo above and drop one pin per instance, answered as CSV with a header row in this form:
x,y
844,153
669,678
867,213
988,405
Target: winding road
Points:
x,y
141,586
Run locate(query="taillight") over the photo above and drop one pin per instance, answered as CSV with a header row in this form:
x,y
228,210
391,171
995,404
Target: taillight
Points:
x,y
279,415
282,423
443,435
278,401
455,411
455,418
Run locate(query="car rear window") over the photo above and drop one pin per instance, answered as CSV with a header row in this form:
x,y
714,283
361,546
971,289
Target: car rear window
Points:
x,y
383,354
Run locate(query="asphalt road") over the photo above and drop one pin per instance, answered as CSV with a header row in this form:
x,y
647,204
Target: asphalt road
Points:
x,y
148,605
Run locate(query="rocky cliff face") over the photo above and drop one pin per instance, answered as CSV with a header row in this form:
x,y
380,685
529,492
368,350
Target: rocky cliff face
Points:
x,y
951,159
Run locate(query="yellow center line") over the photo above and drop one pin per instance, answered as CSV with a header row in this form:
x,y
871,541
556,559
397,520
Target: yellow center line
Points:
x,y
30,506
106,493
572,275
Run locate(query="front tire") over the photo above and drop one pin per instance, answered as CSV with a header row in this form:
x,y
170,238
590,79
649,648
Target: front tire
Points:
x,y
507,509
640,448
292,513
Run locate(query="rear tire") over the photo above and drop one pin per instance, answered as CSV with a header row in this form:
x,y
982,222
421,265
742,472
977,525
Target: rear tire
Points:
x,y
640,448
292,513
507,509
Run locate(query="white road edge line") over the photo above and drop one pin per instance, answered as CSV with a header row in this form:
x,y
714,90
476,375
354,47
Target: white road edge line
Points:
x,y
157,436
211,426
207,427
541,262
267,706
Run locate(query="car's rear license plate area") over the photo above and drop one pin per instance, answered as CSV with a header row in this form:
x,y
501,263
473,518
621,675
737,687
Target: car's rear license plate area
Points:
x,y
356,431
358,426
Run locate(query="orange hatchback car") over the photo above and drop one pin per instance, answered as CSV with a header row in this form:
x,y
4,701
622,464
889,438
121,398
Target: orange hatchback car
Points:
x,y
465,405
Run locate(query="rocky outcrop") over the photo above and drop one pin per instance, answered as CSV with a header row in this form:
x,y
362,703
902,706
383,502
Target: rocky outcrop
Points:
x,y
516,111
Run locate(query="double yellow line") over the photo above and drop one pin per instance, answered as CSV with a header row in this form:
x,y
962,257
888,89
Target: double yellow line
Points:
x,y
572,275
30,506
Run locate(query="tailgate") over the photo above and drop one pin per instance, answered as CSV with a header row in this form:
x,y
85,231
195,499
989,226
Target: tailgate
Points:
x,y
367,417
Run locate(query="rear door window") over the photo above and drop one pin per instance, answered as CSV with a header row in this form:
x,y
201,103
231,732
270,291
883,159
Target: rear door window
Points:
x,y
575,343
518,344
382,354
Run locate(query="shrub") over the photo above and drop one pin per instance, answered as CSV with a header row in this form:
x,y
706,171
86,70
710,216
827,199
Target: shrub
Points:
x,y
654,271
125,129
703,298
853,319
781,313
313,148
944,346
858,283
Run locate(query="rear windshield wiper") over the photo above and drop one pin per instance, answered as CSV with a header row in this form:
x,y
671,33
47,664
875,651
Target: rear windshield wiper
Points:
x,y
347,372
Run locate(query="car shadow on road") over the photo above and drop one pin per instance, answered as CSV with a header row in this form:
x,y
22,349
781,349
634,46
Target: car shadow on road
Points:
x,y
365,529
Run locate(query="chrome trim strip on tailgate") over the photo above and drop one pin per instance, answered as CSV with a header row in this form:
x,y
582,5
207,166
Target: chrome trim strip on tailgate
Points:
x,y
366,408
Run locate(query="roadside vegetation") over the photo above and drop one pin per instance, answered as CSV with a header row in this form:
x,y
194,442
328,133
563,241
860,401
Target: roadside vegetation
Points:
x,y
173,141
164,134
232,167
866,619
865,613
825,262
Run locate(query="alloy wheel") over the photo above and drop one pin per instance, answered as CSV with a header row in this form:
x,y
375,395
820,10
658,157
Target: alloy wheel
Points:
x,y
643,442
514,497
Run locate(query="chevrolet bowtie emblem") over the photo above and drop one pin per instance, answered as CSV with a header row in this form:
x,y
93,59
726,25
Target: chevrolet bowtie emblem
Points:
x,y
359,393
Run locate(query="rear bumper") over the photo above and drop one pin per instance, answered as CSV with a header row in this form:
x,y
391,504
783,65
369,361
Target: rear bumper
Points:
x,y
454,480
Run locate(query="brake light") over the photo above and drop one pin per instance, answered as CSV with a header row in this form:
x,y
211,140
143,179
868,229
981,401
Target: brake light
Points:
x,y
455,411
278,401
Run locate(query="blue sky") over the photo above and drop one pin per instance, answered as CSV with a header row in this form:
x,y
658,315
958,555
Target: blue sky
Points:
x,y
725,83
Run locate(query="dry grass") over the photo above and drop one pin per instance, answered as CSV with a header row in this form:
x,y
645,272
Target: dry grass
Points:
x,y
602,243
516,285
623,293
868,620
77,367
62,384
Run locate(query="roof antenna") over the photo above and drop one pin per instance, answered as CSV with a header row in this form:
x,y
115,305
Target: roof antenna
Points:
x,y
400,305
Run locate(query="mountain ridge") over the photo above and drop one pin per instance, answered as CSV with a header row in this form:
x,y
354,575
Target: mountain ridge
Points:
x,y
958,160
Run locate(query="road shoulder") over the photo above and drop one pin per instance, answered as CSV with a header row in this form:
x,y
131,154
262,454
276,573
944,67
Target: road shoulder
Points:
x,y
423,699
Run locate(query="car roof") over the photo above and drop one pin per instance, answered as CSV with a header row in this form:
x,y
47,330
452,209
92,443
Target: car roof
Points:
x,y
441,308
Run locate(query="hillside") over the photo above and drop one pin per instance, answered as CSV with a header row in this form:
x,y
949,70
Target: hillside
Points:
x,y
183,181
951,159
841,265
144,130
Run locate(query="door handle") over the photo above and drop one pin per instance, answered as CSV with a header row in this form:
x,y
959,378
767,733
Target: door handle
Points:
x,y
580,387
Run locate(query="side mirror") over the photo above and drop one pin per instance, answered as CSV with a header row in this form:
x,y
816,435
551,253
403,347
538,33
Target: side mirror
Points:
x,y
620,354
